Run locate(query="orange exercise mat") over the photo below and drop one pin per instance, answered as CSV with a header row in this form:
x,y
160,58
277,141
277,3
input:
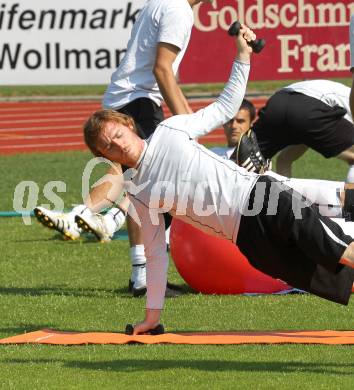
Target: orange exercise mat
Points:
x,y
49,336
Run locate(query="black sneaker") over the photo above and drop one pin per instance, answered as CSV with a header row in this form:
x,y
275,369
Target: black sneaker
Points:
x,y
172,290
248,155
136,292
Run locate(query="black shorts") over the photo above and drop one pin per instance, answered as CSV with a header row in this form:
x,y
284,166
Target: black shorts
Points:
x,y
303,251
291,118
146,114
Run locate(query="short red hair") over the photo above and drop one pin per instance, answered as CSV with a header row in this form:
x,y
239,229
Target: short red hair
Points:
x,y
96,123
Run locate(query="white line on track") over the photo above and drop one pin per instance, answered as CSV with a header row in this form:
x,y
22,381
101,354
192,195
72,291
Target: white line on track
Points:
x,y
65,114
42,145
83,118
50,108
22,137
44,128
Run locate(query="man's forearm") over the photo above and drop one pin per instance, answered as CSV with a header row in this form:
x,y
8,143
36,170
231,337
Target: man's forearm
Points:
x,y
172,93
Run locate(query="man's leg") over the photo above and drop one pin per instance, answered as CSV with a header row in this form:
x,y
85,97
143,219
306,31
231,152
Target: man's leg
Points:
x,y
101,196
327,195
287,156
137,281
348,156
305,252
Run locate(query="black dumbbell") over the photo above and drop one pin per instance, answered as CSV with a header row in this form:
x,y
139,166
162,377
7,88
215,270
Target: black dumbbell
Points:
x,y
257,45
159,329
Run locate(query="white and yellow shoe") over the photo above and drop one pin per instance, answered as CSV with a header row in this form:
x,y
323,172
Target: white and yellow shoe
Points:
x,y
94,224
102,226
61,222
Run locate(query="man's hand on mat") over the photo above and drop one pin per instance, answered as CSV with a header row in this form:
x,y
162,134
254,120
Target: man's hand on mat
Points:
x,y
152,319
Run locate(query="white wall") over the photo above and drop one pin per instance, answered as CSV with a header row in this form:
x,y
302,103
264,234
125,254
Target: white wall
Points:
x,y
37,48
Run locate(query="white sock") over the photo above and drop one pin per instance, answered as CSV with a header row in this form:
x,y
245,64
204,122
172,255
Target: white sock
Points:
x,y
114,219
350,175
167,235
138,259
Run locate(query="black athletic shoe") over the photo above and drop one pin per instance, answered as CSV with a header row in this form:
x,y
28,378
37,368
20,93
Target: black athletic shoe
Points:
x,y
248,155
136,292
171,290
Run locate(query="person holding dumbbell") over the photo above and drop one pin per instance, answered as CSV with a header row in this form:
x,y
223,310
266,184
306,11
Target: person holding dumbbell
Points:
x,y
279,232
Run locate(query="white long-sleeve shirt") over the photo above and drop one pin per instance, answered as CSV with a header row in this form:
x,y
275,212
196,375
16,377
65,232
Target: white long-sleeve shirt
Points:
x,y
178,175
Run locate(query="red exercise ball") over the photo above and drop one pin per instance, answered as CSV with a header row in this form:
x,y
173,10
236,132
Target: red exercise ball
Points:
x,y
212,265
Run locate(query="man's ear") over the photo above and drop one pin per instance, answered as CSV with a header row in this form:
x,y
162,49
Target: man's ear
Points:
x,y
131,123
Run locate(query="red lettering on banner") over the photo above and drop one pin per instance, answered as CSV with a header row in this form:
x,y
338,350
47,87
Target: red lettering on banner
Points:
x,y
304,39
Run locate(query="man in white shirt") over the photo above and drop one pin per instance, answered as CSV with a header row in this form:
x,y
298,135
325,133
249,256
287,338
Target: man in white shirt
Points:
x,y
279,232
313,113
144,78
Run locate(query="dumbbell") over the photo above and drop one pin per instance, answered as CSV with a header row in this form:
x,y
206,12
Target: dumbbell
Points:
x,y
159,329
257,45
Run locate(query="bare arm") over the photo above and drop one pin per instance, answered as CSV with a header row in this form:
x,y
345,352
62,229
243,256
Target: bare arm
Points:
x,y
166,80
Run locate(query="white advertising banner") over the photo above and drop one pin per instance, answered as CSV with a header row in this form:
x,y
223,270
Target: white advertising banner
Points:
x,y
63,42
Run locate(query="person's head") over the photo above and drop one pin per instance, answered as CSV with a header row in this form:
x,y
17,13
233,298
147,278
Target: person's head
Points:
x,y
240,123
113,135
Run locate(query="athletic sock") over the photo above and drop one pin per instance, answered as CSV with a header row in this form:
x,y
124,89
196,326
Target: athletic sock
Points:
x,y
350,175
138,259
114,219
167,235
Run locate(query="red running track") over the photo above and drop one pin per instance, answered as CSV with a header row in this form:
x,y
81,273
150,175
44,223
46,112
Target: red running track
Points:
x,y
28,127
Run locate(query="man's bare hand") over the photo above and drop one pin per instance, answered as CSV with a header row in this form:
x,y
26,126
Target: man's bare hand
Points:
x,y
244,50
152,319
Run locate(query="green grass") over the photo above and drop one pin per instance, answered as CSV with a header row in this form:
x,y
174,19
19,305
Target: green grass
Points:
x,y
46,282
259,87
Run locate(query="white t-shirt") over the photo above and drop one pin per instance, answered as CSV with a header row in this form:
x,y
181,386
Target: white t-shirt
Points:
x,y
329,92
168,21
179,175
